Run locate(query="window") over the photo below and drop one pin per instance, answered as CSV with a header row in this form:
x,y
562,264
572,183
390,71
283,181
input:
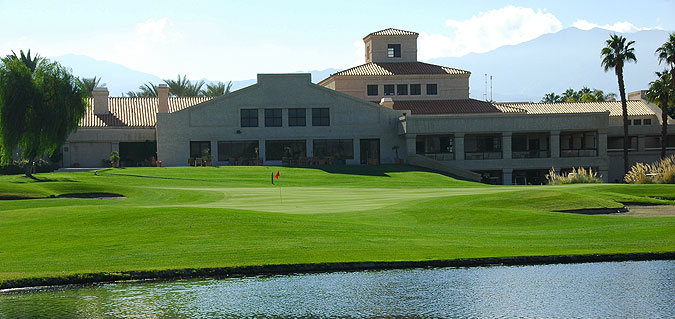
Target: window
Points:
x,y
647,121
296,117
389,89
320,117
372,89
272,117
432,89
198,149
338,149
402,89
532,145
616,143
438,147
578,144
249,118
415,89
484,146
234,150
394,50
637,122
279,150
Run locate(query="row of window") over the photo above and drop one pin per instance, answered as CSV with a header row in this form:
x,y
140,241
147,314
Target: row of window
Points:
x,y
296,117
402,89
340,149
640,122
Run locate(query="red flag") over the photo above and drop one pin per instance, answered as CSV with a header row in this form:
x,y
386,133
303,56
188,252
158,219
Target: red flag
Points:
x,y
277,176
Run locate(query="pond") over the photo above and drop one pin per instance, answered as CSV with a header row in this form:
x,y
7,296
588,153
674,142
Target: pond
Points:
x,y
643,289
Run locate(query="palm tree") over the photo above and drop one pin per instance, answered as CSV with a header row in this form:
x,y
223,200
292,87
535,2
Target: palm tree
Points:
x,y
183,87
569,96
90,84
31,63
660,94
615,53
146,90
666,53
217,89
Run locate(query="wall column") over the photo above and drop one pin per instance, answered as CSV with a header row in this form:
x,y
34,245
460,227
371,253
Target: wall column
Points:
x,y
555,144
411,144
459,147
506,145
310,148
507,176
261,150
602,143
640,142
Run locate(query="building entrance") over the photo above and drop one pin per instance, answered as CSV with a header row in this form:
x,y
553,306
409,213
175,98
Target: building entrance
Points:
x,y
370,151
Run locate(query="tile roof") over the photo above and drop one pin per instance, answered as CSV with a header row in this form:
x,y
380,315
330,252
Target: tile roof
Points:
x,y
399,68
392,31
468,106
635,108
139,112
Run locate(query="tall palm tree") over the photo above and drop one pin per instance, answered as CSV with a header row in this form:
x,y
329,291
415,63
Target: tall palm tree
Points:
x,y
183,87
660,94
217,89
615,53
666,53
31,63
90,84
146,90
569,96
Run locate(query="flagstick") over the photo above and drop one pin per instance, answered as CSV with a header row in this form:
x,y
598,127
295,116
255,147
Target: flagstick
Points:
x,y
280,200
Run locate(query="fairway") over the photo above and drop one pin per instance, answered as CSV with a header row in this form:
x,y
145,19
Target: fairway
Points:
x,y
205,217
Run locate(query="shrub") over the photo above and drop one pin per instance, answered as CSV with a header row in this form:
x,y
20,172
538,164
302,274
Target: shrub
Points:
x,y
19,167
661,172
576,176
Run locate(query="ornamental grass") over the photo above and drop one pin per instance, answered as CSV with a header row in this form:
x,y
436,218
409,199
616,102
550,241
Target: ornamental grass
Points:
x,y
576,176
661,172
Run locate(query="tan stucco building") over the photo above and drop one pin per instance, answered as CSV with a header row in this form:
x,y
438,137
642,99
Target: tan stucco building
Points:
x,y
390,109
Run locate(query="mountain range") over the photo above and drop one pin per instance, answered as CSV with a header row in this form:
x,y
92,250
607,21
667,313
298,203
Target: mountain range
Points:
x,y
552,62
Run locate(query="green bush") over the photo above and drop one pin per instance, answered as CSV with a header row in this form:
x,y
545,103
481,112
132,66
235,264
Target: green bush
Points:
x,y
19,167
576,176
661,172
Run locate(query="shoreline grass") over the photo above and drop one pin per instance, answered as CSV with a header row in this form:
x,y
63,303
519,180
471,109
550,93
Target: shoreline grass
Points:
x,y
194,218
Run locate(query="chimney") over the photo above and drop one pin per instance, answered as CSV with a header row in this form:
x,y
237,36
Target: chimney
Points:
x,y
163,95
387,102
101,100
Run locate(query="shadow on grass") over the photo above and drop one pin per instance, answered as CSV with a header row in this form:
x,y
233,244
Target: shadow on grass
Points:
x,y
25,179
375,170
160,177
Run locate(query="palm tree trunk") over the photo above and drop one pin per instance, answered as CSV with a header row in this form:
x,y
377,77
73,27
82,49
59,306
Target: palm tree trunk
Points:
x,y
624,107
664,126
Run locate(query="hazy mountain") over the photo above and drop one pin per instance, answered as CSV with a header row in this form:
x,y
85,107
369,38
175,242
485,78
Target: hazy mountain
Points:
x,y
555,62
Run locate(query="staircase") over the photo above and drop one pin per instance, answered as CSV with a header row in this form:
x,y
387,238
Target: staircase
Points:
x,y
423,161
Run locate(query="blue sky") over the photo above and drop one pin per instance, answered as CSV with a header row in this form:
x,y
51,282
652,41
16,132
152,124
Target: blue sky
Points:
x,y
234,40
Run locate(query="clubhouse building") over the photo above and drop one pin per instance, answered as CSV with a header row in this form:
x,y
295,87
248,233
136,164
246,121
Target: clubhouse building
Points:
x,y
392,109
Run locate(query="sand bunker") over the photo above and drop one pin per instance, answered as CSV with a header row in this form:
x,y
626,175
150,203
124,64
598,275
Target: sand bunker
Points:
x,y
630,209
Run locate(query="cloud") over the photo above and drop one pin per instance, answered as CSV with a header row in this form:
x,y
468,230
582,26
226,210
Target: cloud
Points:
x,y
487,31
153,30
622,27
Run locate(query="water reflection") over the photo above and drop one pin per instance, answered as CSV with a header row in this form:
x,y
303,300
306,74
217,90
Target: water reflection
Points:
x,y
627,289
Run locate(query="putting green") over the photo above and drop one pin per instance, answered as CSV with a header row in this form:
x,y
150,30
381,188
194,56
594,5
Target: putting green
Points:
x,y
317,200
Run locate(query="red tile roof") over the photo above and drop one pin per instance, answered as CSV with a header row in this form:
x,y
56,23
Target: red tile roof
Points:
x,y
392,31
468,106
635,108
140,112
399,68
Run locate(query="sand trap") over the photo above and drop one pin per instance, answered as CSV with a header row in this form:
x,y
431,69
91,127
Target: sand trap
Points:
x,y
630,209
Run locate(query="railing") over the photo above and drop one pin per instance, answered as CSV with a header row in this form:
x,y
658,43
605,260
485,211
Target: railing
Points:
x,y
482,155
531,154
579,153
439,156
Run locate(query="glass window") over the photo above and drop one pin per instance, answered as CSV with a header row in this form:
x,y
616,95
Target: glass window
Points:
x,y
320,117
402,89
578,144
394,50
647,121
616,143
637,122
272,117
389,89
432,89
372,89
484,146
249,118
198,149
338,149
415,89
531,145
279,150
232,150
296,117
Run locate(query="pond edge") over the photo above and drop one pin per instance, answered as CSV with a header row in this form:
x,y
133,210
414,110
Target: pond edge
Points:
x,y
284,269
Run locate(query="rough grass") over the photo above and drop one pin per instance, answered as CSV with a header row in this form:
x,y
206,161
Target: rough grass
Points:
x,y
232,216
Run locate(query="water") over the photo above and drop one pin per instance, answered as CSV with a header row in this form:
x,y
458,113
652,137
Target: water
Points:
x,y
593,290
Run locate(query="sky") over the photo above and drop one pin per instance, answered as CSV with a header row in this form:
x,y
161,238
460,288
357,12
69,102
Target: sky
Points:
x,y
235,40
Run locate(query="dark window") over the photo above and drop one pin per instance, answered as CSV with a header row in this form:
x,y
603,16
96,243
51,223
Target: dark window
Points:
x,y
272,117
402,89
487,146
338,149
199,149
320,117
438,147
236,150
533,145
296,117
389,89
394,50
372,89
647,121
280,150
637,122
616,143
415,89
432,89
578,144
249,118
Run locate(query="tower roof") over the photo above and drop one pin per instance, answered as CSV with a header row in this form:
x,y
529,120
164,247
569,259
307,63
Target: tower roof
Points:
x,y
392,31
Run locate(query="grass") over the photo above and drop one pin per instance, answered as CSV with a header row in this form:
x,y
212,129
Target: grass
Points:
x,y
196,217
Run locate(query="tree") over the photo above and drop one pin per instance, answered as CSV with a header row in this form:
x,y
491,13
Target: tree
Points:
x,y
570,96
551,98
615,53
90,84
41,103
661,94
146,90
183,87
666,53
217,89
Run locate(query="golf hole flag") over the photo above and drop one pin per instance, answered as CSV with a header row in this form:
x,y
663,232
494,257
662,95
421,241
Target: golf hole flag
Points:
x,y
275,176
